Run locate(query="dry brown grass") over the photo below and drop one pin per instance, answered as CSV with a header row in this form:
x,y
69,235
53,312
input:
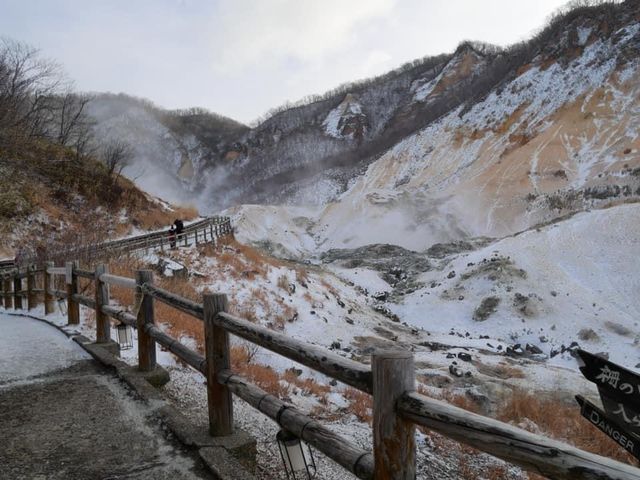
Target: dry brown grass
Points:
x,y
283,282
507,371
250,255
261,375
271,381
554,418
360,404
124,267
562,421
302,275
179,324
452,398
460,401
153,216
308,386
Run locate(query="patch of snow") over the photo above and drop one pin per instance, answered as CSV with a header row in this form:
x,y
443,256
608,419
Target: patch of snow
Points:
x,y
30,348
348,107
583,35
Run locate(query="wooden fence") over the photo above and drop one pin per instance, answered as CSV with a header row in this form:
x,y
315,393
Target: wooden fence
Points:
x,y
202,231
397,408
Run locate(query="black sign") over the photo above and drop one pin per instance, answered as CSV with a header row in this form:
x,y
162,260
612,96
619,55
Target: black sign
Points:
x,y
597,417
613,381
623,414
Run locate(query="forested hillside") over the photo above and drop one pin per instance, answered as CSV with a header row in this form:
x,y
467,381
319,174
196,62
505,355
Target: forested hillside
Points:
x,y
58,181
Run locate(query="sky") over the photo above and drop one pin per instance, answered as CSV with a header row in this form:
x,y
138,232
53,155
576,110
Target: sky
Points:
x,y
240,58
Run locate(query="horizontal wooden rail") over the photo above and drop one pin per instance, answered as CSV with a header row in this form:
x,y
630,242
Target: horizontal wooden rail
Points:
x,y
532,452
57,271
331,444
195,230
176,301
347,371
184,353
85,274
396,407
119,314
84,300
124,282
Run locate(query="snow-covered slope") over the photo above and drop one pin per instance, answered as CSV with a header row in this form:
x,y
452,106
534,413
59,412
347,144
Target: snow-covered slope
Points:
x,y
573,281
556,139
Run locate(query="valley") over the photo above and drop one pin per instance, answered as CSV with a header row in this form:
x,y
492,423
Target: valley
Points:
x,y
480,209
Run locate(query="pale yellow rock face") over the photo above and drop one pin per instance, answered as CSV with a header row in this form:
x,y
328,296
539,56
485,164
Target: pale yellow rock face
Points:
x,y
464,178
186,170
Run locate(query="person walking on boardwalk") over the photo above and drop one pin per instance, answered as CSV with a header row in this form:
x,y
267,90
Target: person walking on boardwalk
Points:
x,y
172,237
179,228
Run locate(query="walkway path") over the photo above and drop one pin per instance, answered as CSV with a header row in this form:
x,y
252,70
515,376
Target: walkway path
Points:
x,y
63,416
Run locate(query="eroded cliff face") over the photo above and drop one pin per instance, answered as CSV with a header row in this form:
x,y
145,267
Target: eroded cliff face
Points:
x,y
555,140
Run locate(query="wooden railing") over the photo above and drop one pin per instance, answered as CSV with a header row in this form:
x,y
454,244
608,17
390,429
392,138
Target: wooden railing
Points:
x,y
397,408
202,231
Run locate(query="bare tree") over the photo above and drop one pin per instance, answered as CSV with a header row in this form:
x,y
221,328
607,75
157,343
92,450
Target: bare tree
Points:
x,y
116,155
71,122
27,83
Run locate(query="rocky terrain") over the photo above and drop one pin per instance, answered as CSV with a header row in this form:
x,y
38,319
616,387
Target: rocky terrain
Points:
x,y
479,208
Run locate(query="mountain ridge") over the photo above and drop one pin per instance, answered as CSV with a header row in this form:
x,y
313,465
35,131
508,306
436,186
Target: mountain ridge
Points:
x,y
284,157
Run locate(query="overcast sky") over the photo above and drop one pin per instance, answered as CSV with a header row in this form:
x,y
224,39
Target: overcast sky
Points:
x,y
243,57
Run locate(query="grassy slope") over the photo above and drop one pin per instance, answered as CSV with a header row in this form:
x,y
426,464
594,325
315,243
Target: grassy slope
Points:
x,y
48,196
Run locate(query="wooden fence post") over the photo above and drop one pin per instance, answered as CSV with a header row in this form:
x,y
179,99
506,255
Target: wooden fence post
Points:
x,y
31,296
17,290
48,297
6,282
146,344
394,445
218,355
71,280
103,324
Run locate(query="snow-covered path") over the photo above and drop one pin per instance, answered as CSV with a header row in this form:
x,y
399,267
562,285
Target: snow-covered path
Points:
x,y
31,348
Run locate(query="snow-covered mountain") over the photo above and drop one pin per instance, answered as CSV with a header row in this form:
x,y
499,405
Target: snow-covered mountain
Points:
x,y
514,213
173,150
484,141
452,184
561,136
